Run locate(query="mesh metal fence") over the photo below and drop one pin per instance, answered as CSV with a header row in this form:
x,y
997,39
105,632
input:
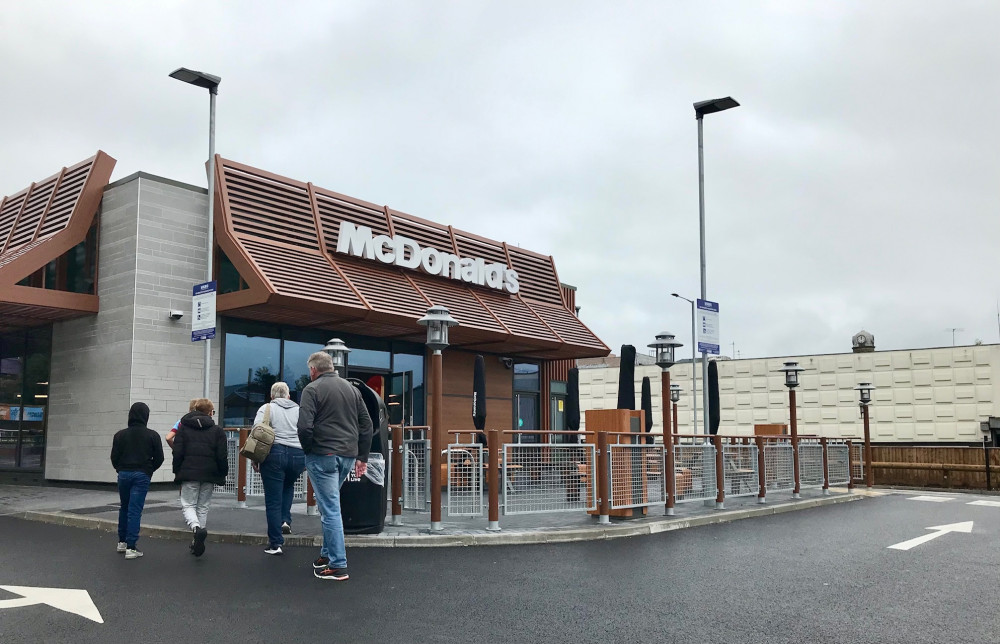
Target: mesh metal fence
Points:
x,y
232,454
637,476
548,478
858,466
837,464
810,465
739,467
416,473
779,468
465,480
694,475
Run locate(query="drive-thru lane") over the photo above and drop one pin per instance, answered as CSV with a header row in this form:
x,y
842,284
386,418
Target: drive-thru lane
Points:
x,y
821,575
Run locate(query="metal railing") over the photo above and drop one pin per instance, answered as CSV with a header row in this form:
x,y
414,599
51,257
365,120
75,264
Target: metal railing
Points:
x,y
416,468
858,462
465,479
637,476
837,467
811,470
548,478
740,470
694,464
778,466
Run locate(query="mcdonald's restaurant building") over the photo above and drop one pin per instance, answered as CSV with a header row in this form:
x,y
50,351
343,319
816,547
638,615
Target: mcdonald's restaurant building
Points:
x,y
93,275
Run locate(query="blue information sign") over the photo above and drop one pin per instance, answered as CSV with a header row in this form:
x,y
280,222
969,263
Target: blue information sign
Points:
x,y
708,327
203,311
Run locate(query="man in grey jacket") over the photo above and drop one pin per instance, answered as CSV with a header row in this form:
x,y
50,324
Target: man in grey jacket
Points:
x,y
335,431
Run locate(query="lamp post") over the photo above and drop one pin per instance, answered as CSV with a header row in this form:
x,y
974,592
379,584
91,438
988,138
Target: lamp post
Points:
x,y
211,83
338,351
675,396
791,370
702,108
694,378
665,345
437,320
865,390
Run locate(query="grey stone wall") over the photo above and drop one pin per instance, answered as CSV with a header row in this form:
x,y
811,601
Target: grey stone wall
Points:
x,y
152,251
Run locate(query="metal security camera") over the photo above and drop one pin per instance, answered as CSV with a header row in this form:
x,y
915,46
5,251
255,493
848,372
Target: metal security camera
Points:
x,y
508,363
176,315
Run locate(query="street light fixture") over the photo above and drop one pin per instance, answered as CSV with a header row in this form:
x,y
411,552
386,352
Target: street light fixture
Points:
x,y
211,83
865,391
694,358
338,351
437,320
665,345
675,397
702,108
791,370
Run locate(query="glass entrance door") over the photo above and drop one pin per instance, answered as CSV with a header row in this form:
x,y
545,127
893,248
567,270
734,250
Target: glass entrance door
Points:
x,y
399,398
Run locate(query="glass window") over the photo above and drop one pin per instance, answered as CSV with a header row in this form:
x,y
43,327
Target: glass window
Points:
x,y
24,397
526,377
229,278
296,372
11,385
253,364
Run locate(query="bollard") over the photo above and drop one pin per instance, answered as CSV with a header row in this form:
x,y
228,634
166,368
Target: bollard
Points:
x,y
761,473
826,467
241,468
396,484
720,475
493,478
603,477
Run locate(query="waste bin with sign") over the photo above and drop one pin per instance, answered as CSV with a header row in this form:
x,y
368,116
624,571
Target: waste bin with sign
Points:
x,y
363,500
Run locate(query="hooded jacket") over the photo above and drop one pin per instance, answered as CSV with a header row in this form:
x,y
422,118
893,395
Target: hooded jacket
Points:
x,y
284,420
200,452
137,448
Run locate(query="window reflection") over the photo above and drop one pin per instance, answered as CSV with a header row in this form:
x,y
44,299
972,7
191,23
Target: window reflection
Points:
x,y
296,372
252,366
24,389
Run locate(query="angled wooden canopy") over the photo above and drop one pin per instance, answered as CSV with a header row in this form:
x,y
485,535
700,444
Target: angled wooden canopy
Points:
x,y
37,225
281,235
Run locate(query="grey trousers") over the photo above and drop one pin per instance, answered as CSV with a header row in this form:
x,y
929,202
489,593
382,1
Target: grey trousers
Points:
x,y
195,499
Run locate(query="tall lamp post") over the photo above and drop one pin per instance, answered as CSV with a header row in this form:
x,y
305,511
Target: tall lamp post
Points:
x,y
437,320
694,377
865,390
702,108
791,370
211,83
675,396
665,345
338,351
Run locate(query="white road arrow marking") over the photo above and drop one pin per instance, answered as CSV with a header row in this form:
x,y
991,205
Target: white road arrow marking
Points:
x,y
964,526
991,504
70,600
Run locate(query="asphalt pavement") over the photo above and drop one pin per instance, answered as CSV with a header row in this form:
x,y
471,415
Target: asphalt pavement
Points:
x,y
825,574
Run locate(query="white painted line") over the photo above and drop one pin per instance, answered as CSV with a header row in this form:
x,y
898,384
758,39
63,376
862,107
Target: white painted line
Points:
x,y
70,600
932,499
964,526
992,504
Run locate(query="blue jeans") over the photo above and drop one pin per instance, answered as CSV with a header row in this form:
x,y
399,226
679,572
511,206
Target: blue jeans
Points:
x,y
278,472
328,474
132,488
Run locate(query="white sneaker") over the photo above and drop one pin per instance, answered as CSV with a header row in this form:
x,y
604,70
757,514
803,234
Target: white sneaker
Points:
x,y
273,550
122,547
132,553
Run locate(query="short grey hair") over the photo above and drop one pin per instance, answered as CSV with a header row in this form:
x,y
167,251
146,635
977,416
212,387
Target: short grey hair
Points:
x,y
320,361
279,390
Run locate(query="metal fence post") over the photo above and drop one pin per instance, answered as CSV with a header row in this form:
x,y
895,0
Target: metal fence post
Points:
x,y
603,477
869,470
720,475
396,487
493,477
241,469
850,467
761,474
668,445
826,467
796,492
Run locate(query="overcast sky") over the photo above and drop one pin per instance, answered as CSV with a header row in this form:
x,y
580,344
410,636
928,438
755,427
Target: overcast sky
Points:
x,y
855,187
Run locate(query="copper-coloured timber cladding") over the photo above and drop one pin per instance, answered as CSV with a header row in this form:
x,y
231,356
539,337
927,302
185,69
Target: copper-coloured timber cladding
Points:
x,y
282,235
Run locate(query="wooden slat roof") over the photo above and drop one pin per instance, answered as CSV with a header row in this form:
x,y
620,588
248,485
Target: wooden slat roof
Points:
x,y
281,234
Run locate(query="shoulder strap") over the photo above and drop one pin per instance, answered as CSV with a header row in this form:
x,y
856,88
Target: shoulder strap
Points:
x,y
267,414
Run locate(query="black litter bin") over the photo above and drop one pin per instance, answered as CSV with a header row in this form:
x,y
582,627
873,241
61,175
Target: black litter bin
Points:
x,y
362,501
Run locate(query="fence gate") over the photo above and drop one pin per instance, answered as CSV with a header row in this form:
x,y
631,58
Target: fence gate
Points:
x,y
637,476
465,480
548,478
739,467
416,468
694,477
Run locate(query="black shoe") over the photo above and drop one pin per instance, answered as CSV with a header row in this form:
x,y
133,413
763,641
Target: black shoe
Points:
x,y
198,546
336,574
285,528
321,563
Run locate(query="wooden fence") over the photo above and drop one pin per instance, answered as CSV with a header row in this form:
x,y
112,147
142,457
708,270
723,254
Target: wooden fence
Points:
x,y
948,467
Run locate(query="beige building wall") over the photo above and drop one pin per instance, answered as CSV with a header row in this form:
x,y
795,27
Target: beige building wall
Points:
x,y
921,395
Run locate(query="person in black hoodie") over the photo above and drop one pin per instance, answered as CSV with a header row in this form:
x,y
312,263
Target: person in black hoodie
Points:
x,y
200,463
136,452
